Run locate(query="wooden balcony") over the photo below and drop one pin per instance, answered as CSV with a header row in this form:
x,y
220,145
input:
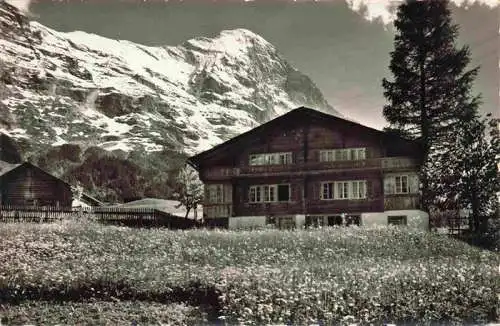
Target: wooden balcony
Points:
x,y
383,164
217,210
401,202
311,207
345,206
397,163
276,208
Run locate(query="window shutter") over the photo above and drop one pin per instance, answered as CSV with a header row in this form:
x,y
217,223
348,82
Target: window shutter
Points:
x,y
368,153
414,184
228,193
389,185
369,189
207,194
316,193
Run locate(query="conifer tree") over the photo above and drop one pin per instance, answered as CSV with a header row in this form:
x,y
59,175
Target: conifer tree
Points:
x,y
431,86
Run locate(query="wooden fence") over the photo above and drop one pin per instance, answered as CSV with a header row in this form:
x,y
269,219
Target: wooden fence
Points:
x,y
136,217
450,220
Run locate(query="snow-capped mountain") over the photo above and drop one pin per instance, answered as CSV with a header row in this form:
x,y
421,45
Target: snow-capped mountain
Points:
x,y
120,117
84,89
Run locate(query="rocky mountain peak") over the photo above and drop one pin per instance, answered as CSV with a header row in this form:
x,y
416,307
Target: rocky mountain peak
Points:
x,y
126,98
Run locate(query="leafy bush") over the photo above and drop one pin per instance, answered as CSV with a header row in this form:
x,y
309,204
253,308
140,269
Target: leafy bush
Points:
x,y
335,276
100,312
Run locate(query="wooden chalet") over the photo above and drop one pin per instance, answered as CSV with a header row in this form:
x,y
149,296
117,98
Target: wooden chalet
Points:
x,y
311,168
27,185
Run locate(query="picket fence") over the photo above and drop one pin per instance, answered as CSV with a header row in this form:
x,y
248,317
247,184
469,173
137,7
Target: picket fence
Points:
x,y
133,217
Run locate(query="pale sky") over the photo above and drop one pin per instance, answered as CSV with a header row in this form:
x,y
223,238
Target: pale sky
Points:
x,y
382,8
375,8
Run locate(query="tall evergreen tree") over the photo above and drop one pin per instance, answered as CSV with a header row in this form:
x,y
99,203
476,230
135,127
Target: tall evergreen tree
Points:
x,y
431,85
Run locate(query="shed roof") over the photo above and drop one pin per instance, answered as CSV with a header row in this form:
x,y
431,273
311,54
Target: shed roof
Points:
x,y
8,168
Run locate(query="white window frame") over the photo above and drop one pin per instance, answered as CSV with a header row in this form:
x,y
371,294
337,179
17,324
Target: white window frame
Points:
x,y
267,193
401,189
343,190
278,158
328,189
358,189
342,154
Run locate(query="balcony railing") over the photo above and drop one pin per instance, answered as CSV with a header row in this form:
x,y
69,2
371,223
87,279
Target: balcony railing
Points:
x,y
401,202
390,163
385,163
217,210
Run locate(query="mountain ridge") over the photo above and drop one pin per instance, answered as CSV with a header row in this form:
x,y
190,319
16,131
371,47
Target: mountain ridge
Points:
x,y
136,103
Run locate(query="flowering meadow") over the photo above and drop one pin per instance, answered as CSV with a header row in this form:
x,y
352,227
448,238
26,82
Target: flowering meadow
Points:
x,y
87,273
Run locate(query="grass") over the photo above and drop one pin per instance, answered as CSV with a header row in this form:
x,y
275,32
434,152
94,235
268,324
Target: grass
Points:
x,y
334,276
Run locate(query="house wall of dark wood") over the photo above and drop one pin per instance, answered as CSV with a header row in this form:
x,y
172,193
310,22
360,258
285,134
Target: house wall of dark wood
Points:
x,y
305,139
306,142
305,196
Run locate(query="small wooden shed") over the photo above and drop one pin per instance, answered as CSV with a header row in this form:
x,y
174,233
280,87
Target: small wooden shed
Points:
x,y
27,185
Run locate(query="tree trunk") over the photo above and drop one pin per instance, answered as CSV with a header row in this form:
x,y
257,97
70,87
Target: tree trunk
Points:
x,y
471,222
475,210
424,122
483,224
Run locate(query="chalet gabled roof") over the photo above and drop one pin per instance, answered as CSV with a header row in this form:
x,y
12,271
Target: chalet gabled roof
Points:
x,y
14,167
300,114
6,167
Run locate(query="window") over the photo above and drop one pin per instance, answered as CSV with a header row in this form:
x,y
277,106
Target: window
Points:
x,y
343,190
271,159
285,222
332,220
342,154
269,193
402,185
270,219
316,221
352,219
215,193
327,190
283,192
358,189
345,155
396,220
255,194
358,154
285,158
